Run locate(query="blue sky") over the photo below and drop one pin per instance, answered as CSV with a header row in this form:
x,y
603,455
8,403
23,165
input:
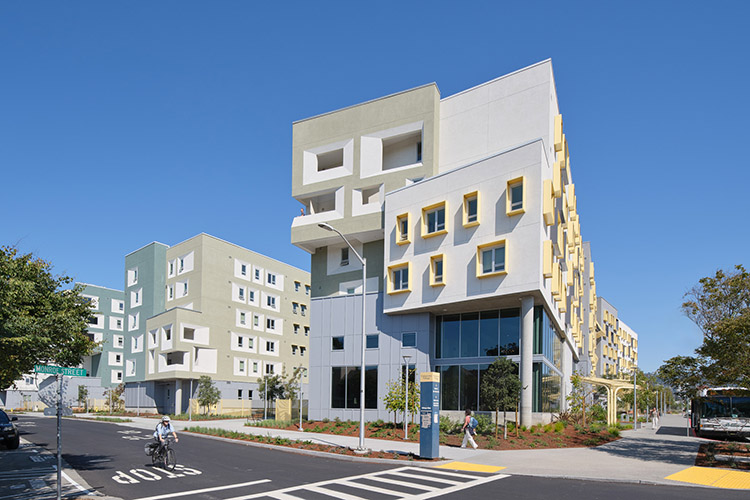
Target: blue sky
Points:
x,y
122,123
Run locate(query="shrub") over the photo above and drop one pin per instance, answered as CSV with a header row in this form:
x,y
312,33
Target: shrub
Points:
x,y
614,431
598,413
559,426
485,425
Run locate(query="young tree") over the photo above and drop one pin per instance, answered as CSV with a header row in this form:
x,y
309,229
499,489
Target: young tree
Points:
x,y
113,398
208,393
578,397
40,322
500,388
683,375
291,383
395,397
83,394
720,306
271,386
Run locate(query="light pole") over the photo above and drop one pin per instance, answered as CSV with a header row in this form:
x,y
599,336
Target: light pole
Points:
x,y
406,401
328,227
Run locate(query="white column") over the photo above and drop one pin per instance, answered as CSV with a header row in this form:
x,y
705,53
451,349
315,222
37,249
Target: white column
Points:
x,y
527,358
177,397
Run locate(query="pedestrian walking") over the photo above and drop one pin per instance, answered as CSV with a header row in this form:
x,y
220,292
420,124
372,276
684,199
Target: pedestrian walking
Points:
x,y
469,428
654,418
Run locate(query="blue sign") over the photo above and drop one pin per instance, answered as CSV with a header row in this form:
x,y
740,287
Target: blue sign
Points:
x,y
429,415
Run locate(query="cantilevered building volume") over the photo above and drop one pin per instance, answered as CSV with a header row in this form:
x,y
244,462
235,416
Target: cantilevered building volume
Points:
x,y
465,210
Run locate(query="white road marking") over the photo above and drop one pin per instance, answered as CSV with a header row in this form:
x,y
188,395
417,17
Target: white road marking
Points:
x,y
204,490
389,485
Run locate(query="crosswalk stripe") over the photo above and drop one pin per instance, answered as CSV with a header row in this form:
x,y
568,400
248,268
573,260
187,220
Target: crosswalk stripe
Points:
x,y
333,493
408,475
406,484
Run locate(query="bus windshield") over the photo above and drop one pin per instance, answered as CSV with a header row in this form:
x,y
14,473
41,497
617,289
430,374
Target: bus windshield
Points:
x,y
725,406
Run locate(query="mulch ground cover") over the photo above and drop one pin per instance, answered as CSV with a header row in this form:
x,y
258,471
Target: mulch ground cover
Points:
x,y
537,437
724,454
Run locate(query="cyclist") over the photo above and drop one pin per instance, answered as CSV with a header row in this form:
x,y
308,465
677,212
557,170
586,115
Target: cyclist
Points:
x,y
163,430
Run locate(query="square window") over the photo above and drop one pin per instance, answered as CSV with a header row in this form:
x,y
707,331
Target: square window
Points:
x,y
491,259
337,343
271,278
257,274
302,350
437,270
471,209
241,292
270,346
242,318
409,339
372,341
269,369
256,320
304,310
402,229
271,301
307,330
307,289
515,196
433,220
294,307
296,329
398,277
270,324
297,285
243,269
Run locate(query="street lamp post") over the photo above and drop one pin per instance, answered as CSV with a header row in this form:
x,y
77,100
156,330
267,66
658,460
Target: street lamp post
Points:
x,y
406,401
300,399
328,227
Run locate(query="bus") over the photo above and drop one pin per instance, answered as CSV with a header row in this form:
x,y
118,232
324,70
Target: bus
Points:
x,y
721,412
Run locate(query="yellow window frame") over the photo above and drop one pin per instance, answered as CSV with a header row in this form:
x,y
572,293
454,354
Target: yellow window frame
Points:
x,y
508,199
435,258
486,246
467,198
396,267
428,209
400,239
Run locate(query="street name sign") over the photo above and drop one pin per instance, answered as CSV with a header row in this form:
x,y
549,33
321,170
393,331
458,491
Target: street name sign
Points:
x,y
66,411
60,370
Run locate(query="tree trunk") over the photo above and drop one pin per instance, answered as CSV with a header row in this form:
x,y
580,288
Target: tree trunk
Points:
x,y
517,404
497,421
505,425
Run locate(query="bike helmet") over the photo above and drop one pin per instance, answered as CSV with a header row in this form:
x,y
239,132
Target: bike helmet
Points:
x,y
165,418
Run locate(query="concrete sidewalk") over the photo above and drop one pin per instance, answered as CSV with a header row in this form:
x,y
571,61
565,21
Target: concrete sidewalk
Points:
x,y
641,456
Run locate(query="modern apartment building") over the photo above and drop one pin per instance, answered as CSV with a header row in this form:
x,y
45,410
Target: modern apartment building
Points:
x,y
202,307
106,326
465,210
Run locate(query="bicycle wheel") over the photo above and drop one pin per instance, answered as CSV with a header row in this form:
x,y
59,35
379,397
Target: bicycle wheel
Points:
x,y
170,459
156,457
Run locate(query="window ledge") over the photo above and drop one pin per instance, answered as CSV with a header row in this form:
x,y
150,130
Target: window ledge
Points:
x,y
403,242
516,212
471,224
396,292
437,284
436,233
490,275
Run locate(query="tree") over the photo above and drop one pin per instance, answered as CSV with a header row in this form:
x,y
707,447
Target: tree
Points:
x,y
720,306
83,393
500,388
683,375
271,386
291,383
395,397
578,396
208,393
114,399
40,321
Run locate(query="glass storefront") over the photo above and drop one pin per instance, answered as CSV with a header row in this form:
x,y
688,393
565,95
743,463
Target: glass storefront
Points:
x,y
491,334
471,335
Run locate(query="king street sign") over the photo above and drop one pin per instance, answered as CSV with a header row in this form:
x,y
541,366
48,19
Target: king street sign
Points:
x,y
60,370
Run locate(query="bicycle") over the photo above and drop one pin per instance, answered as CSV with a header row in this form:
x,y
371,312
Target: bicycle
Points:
x,y
163,455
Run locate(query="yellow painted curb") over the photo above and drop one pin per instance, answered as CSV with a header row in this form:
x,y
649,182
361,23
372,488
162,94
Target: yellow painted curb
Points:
x,y
716,477
469,467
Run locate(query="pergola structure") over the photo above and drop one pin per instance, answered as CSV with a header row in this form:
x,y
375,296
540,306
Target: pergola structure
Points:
x,y
613,386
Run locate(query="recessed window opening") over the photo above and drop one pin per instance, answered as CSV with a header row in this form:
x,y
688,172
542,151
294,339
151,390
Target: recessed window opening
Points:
x,y
330,159
471,209
493,260
371,195
337,343
404,229
436,220
402,150
345,256
401,278
188,333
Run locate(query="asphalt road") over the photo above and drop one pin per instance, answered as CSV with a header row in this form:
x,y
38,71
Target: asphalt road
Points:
x,y
110,458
